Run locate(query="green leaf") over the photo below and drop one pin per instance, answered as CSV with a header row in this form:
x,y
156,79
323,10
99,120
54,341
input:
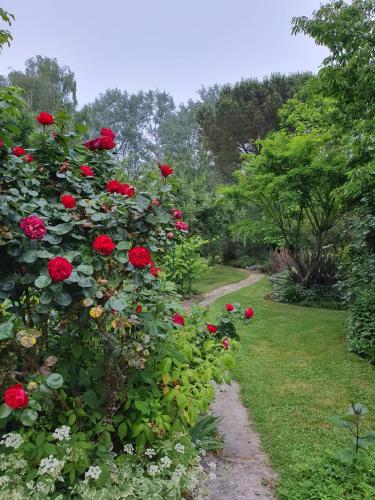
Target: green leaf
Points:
x,y
165,188
6,330
85,269
14,248
7,285
5,411
122,429
55,381
62,228
28,417
76,350
46,297
64,299
117,304
43,281
40,438
338,422
166,365
123,245
30,257
91,398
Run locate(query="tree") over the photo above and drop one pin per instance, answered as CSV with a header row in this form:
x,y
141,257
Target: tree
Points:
x,y
242,114
136,118
47,85
5,35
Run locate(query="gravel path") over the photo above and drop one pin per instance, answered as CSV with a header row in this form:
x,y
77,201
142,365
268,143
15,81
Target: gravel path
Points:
x,y
243,472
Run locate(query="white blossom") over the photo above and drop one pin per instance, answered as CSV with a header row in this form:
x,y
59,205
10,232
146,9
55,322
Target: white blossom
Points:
x,y
180,448
153,470
51,466
165,462
62,433
129,449
4,480
93,472
150,452
212,465
12,440
212,475
202,452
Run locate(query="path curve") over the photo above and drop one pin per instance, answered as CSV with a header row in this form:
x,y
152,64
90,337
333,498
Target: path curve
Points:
x,y
243,471
207,298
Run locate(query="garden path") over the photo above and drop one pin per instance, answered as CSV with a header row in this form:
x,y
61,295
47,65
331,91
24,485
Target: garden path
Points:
x,y
243,472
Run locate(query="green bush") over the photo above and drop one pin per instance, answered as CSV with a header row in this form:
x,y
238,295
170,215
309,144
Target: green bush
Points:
x,y
285,289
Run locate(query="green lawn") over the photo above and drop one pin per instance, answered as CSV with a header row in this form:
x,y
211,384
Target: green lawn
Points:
x,y
217,276
295,372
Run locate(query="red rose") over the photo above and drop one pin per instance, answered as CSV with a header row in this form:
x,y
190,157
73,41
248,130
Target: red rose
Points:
x,y
249,313
59,269
139,257
138,309
18,151
1,143
177,214
177,319
225,343
114,186
45,118
28,158
104,245
68,200
15,397
229,307
33,227
211,328
107,132
106,142
92,144
86,170
181,226
165,170
154,270
127,190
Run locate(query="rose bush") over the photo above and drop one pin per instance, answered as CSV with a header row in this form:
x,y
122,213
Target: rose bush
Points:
x,y
92,338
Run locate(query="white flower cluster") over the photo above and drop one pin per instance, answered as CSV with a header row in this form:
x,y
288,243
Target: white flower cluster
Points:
x,y
153,470
212,475
212,465
150,452
50,466
62,433
180,448
165,462
4,480
93,472
12,440
178,473
129,449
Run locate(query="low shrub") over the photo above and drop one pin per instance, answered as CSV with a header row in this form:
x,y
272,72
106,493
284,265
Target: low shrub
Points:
x,y
286,289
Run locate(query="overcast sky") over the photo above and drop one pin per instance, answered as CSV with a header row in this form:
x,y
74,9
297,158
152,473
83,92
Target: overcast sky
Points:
x,y
172,45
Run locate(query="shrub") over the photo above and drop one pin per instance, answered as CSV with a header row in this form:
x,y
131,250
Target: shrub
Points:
x,y
91,356
286,289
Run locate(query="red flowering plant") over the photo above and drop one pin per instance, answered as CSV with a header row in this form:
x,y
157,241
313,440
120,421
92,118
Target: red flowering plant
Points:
x,y
86,302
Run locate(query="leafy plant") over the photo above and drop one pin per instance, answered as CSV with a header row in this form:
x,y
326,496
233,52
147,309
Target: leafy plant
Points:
x,y
353,423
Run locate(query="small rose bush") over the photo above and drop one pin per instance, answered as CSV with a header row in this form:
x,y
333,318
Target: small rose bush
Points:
x,y
96,354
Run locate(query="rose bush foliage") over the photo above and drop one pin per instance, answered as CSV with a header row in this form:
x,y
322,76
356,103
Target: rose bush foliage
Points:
x,y
92,337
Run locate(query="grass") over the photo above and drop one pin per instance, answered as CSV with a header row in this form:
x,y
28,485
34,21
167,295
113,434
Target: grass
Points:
x,y
295,372
217,276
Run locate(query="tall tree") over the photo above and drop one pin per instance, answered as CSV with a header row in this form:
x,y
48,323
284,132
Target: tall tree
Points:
x,y
47,85
243,113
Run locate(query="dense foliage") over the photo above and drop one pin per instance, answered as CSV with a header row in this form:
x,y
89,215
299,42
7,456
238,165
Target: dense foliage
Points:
x,y
95,353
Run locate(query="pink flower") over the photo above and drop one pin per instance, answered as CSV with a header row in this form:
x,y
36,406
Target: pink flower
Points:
x,y
177,214
33,227
181,226
107,132
225,343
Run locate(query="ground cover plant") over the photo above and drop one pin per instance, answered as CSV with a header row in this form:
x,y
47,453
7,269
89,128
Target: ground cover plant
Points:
x,y
97,357
295,374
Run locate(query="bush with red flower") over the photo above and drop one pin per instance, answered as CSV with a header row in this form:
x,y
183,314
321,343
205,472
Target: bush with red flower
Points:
x,y
85,308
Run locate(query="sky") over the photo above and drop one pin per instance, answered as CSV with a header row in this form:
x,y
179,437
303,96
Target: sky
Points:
x,y
172,45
